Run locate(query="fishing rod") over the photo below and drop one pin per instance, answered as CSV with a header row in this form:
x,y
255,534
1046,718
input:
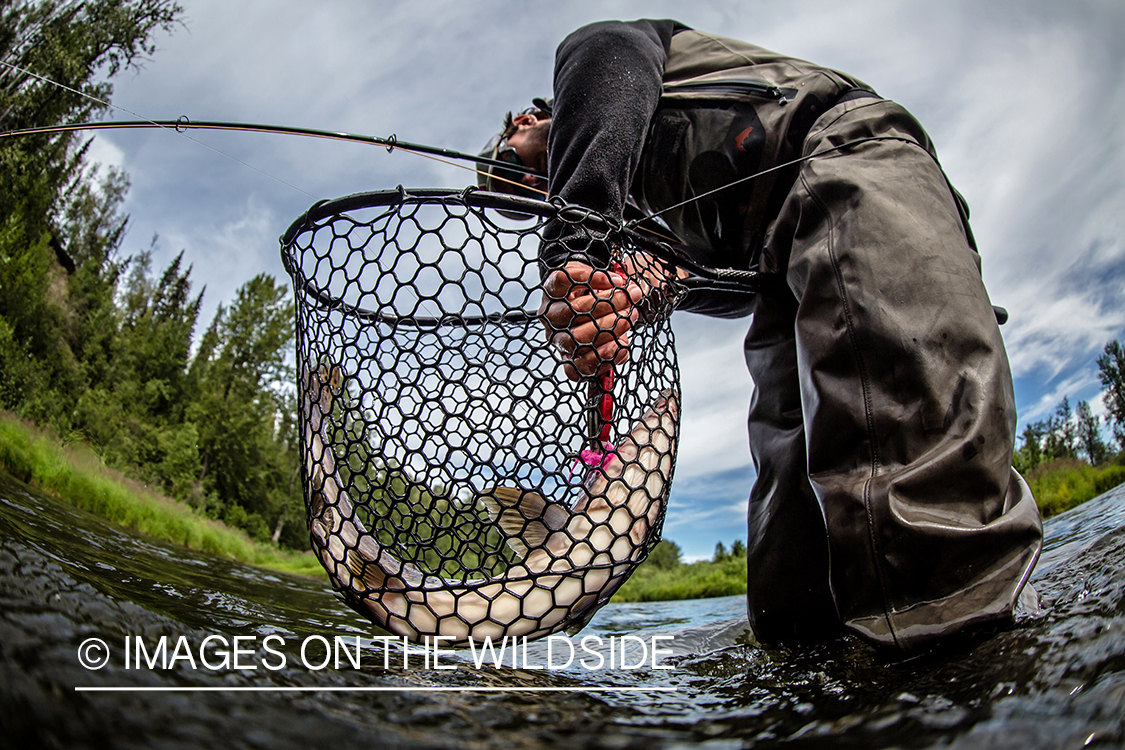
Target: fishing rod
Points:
x,y
184,124
731,280
717,279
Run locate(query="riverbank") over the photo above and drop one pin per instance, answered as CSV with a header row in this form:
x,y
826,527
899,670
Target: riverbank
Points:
x,y
1064,483
705,579
75,474
76,589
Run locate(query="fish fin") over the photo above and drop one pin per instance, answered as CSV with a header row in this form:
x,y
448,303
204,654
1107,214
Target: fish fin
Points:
x,y
523,534
499,499
526,519
509,497
492,503
499,503
371,574
585,610
512,526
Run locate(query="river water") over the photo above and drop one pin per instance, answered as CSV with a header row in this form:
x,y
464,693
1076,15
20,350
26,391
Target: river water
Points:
x,y
1056,680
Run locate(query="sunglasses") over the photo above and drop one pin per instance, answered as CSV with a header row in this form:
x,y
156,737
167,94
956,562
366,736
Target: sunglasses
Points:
x,y
506,153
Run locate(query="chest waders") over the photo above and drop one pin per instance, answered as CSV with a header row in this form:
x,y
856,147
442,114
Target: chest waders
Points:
x,y
883,417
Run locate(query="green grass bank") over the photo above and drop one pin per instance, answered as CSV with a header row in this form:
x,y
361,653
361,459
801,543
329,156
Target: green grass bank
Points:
x,y
1061,484
698,580
75,474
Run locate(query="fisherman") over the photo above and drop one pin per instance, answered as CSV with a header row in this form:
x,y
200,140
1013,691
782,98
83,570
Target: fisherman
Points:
x,y
882,420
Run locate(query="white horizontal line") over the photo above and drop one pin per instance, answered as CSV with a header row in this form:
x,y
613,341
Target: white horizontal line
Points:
x,y
252,689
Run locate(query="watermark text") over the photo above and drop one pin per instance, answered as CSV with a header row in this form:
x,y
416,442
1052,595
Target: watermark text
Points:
x,y
222,653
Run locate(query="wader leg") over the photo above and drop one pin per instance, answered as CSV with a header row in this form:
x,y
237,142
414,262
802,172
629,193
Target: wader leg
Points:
x,y
905,390
787,594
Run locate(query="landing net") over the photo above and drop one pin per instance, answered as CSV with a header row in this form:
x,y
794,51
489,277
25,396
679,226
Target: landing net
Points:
x,y
456,482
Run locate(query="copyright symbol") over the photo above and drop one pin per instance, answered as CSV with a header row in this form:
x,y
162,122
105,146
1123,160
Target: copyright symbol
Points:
x,y
93,653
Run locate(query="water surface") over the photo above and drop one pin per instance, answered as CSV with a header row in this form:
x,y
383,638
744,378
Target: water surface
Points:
x,y
1055,680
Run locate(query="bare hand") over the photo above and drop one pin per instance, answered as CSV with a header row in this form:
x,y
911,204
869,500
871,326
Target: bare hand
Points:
x,y
588,314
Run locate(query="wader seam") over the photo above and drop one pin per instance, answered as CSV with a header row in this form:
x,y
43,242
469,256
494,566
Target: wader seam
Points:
x,y
869,416
827,125
714,38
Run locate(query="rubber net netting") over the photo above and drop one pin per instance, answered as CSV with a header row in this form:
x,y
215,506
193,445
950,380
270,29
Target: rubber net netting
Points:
x,y
457,483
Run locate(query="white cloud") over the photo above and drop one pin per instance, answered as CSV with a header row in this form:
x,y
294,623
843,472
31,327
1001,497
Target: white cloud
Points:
x,y
716,395
699,515
224,255
105,153
1075,383
1048,331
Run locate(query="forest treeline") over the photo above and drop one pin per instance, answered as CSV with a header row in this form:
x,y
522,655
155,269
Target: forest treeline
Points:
x,y
1065,457
1073,433
666,576
94,342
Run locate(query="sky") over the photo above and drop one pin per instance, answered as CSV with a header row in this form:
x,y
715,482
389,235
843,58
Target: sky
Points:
x,y
1023,100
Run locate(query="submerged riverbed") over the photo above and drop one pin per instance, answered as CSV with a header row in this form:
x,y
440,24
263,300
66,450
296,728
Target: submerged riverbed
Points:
x,y
1056,680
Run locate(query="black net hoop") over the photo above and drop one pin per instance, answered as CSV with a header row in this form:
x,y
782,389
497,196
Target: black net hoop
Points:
x,y
457,483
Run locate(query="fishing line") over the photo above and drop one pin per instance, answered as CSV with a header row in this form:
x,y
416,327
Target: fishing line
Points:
x,y
184,123
441,155
152,122
633,223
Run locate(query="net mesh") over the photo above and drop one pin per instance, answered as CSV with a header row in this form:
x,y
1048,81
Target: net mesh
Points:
x,y
457,483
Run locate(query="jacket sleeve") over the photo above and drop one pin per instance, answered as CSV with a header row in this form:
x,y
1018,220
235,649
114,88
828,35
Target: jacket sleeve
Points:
x,y
608,80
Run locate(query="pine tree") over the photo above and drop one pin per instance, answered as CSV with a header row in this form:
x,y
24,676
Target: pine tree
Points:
x,y
58,58
94,342
666,555
1111,366
58,226
1064,425
246,451
1030,454
1089,434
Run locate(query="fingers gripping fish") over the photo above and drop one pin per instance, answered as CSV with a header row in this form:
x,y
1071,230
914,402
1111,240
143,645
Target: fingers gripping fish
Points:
x,y
571,557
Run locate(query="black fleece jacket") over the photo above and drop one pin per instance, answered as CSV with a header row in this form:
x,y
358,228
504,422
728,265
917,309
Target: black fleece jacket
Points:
x,y
608,81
